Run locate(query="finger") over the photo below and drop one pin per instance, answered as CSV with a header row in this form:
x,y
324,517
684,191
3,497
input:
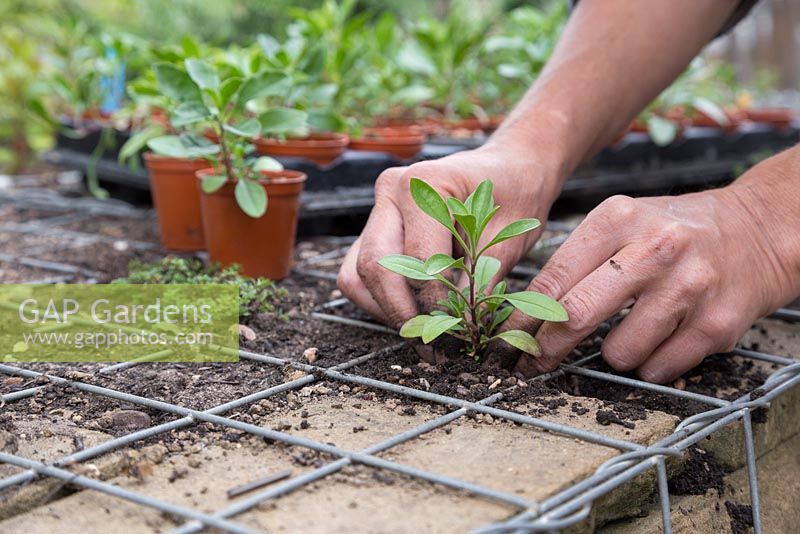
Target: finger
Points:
x,y
605,231
601,235
652,320
603,293
681,352
351,286
382,236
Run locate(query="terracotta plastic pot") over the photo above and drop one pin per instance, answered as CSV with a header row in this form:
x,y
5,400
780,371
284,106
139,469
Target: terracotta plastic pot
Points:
x,y
321,148
263,246
778,117
734,116
404,142
175,195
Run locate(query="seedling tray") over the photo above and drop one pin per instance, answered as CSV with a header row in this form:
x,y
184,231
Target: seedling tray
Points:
x,y
635,166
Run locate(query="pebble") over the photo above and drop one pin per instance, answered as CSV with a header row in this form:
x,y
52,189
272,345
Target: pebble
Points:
x,y
130,419
310,354
468,378
407,371
461,390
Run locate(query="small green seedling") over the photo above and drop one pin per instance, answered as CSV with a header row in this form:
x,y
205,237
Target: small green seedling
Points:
x,y
475,313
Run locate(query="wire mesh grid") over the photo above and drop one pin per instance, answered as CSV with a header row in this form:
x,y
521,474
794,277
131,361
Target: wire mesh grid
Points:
x,y
568,507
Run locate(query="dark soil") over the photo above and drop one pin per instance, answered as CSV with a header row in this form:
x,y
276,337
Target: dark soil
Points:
x,y
717,376
103,258
11,213
741,517
699,474
14,273
126,229
197,386
290,335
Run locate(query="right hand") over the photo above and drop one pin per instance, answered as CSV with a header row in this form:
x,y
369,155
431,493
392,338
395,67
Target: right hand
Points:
x,y
522,187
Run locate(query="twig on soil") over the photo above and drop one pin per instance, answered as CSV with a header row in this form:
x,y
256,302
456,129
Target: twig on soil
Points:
x,y
260,483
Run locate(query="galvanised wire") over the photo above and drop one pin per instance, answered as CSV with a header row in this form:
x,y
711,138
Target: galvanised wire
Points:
x,y
688,434
116,491
787,379
336,466
283,437
116,443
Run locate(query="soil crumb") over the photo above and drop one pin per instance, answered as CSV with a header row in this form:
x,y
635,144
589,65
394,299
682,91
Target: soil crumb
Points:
x,y
741,517
700,473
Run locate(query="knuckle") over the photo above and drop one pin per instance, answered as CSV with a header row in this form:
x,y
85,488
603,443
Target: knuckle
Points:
x,y
697,278
367,266
348,282
580,311
669,241
620,207
620,357
549,281
388,180
721,329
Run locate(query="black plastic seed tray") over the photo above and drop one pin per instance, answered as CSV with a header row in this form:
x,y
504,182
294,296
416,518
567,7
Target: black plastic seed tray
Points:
x,y
701,157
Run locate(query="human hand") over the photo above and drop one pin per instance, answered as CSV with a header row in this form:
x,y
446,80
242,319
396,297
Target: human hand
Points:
x,y
699,268
524,188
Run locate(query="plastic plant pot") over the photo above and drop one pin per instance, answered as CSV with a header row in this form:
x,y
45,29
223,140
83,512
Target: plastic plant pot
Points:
x,y
175,195
403,142
778,117
263,246
321,148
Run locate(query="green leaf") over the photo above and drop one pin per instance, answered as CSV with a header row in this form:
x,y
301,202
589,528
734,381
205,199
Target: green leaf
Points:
x,y
514,229
249,128
500,317
470,226
538,306
441,262
522,341
228,89
262,85
189,113
482,201
486,268
661,130
430,202
438,325
138,141
266,163
175,83
406,266
282,120
413,327
211,183
168,145
457,207
203,74
251,197
488,218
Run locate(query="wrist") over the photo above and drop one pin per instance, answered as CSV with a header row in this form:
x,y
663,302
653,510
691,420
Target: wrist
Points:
x,y
766,200
538,155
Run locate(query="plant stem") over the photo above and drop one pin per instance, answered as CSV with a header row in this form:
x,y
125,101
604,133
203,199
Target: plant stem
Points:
x,y
226,157
473,308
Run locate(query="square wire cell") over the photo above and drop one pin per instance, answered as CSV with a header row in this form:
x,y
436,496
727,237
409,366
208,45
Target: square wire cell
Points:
x,y
561,510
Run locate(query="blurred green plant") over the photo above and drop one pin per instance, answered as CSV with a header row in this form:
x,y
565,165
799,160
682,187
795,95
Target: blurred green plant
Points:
x,y
256,295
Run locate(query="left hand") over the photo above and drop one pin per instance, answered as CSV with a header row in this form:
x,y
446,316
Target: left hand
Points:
x,y
698,268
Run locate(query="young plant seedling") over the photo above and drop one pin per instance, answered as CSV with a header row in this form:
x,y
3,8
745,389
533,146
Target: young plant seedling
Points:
x,y
475,313
206,103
